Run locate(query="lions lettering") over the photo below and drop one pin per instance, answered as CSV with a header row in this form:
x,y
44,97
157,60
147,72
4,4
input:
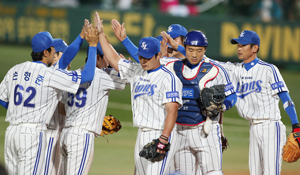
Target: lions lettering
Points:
x,y
247,88
143,89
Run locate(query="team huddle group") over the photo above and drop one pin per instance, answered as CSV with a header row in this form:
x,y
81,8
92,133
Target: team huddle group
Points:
x,y
54,113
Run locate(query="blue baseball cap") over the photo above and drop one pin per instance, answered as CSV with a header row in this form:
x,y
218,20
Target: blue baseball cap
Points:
x,y
148,47
42,41
176,30
62,46
99,50
159,37
246,37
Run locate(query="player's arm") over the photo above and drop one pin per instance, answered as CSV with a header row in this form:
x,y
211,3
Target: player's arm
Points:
x,y
230,101
72,50
173,43
289,106
4,104
108,50
172,110
89,70
120,33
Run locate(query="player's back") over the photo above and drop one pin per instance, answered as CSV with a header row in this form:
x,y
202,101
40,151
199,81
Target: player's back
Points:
x,y
86,109
30,98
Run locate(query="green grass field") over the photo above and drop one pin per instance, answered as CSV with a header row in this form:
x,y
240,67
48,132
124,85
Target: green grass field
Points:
x,y
114,155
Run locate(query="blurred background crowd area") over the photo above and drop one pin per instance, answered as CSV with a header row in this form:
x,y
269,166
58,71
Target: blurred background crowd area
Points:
x,y
264,10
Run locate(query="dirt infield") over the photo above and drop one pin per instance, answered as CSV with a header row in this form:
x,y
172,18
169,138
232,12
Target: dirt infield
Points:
x,y
247,172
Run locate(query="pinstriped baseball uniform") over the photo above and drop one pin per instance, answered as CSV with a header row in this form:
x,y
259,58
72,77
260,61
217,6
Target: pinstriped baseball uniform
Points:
x,y
85,111
54,128
193,142
257,102
165,60
150,90
33,91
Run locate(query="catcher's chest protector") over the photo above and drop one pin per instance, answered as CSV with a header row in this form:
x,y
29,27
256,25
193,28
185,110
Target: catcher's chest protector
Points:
x,y
190,113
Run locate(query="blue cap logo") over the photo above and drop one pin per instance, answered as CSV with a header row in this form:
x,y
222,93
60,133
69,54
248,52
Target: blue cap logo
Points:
x,y
246,37
148,47
170,29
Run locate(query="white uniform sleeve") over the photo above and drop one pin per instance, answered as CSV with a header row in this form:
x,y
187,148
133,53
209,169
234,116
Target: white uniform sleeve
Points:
x,y
276,81
173,90
110,79
222,78
127,69
64,80
4,88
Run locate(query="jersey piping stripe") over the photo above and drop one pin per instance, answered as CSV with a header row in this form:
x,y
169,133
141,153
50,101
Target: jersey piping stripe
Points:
x,y
278,146
173,80
49,151
37,160
224,71
164,161
273,70
86,147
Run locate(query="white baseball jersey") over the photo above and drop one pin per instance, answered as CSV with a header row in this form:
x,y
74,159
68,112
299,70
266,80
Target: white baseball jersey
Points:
x,y
257,84
33,91
165,60
86,108
150,92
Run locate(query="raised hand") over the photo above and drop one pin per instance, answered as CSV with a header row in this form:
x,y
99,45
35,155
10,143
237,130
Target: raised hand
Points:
x,y
164,47
98,23
85,28
170,40
92,36
119,30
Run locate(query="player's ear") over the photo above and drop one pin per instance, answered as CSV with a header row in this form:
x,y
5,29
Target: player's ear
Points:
x,y
158,55
255,48
46,52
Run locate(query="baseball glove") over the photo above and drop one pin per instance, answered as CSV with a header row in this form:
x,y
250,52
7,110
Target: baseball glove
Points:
x,y
291,150
149,151
225,143
110,125
212,100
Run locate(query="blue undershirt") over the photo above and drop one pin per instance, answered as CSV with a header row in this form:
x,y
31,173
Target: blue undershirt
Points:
x,y
290,110
89,69
131,49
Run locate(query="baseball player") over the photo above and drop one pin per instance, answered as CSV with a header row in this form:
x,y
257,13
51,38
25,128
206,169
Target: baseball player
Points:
x,y
259,86
31,92
196,72
176,31
85,111
54,128
155,97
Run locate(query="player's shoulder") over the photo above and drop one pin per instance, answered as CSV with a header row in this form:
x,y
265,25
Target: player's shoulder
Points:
x,y
263,65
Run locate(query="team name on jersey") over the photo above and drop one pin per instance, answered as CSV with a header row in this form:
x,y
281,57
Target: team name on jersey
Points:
x,y
143,89
245,89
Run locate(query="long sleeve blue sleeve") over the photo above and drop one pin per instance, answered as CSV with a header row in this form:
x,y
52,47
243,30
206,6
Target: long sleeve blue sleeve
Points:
x,y
290,109
70,52
89,70
230,101
4,104
131,48
181,49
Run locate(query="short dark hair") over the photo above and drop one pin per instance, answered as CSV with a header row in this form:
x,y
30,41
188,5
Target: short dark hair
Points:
x,y
37,56
251,45
182,38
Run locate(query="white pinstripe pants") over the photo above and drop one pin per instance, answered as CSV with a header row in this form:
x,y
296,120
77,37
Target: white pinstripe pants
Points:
x,y
77,149
24,150
144,166
266,145
53,155
195,148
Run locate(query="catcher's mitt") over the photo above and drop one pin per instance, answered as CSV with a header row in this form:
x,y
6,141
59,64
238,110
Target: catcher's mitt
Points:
x,y
291,150
212,100
225,143
110,125
149,151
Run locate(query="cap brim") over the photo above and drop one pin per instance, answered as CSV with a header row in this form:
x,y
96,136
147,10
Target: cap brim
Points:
x,y
147,56
239,41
